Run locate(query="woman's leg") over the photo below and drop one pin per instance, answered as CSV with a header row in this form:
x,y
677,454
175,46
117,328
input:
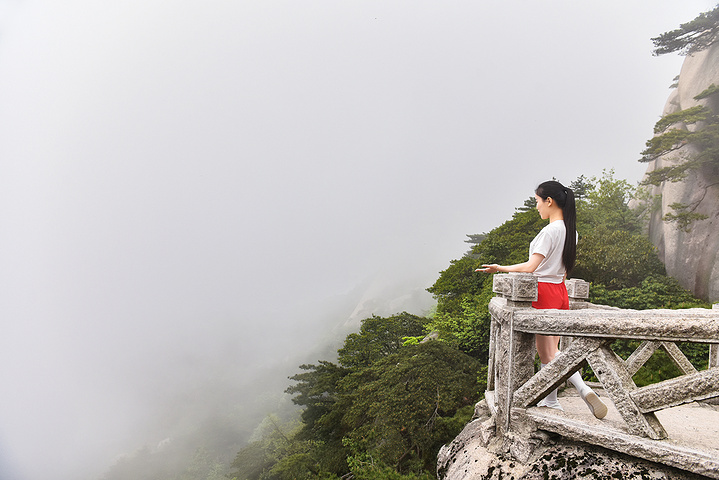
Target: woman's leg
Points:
x,y
549,296
547,347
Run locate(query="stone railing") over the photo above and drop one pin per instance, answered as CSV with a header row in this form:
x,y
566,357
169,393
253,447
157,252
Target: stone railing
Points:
x,y
513,387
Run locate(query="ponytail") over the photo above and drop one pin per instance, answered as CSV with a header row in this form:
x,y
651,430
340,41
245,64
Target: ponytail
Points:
x,y
565,199
569,255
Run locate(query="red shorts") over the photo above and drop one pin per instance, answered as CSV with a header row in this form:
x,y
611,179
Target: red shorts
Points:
x,y
552,295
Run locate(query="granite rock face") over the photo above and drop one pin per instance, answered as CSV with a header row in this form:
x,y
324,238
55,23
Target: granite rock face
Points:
x,y
692,257
478,455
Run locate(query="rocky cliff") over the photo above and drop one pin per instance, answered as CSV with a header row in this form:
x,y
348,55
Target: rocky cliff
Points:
x,y
690,255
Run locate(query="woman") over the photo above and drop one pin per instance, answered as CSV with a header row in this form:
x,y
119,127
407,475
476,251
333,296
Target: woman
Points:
x,y
551,256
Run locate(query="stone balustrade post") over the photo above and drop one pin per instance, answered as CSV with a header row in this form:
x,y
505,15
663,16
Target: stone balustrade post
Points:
x,y
520,289
578,292
512,352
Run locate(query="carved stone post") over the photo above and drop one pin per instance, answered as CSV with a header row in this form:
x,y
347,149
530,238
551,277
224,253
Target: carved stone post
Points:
x,y
578,292
514,351
520,289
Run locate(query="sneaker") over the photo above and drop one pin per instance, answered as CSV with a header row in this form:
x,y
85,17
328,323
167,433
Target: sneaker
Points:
x,y
550,403
595,404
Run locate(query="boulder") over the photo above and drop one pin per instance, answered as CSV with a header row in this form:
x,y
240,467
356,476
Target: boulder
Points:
x,y
692,255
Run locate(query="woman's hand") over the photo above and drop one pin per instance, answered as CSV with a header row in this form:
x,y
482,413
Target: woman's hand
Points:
x,y
492,268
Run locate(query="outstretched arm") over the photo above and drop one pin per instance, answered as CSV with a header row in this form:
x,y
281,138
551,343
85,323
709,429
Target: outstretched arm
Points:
x,y
527,267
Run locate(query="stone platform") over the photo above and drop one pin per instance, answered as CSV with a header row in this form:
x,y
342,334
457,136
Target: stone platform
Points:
x,y
693,430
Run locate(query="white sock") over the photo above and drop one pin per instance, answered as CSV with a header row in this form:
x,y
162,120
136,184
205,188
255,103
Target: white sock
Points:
x,y
552,396
578,382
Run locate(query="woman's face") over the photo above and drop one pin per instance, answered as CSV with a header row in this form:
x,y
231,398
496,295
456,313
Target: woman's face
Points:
x,y
543,206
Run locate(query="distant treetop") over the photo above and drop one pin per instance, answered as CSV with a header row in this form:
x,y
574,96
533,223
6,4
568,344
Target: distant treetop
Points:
x,y
690,37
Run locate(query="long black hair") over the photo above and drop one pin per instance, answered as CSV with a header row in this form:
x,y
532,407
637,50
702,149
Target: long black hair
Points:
x,y
565,199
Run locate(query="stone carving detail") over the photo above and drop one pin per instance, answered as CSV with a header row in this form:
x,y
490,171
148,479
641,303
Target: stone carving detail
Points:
x,y
577,289
517,287
524,287
501,285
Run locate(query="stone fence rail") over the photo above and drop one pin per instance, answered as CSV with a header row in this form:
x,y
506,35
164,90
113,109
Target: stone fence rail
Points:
x,y
588,330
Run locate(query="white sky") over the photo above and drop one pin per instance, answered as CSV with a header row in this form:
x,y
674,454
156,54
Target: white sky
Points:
x,y
177,179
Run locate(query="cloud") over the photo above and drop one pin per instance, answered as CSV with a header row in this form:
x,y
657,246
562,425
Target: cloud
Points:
x,y
178,180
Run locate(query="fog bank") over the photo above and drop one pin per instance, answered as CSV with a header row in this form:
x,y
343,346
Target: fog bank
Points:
x,y
193,194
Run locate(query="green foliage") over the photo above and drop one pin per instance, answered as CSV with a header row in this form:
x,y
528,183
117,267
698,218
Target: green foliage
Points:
x,y
474,239
507,243
169,465
529,204
675,82
383,412
407,341
462,294
280,454
690,37
363,466
709,92
581,187
615,259
253,460
612,251
654,291
672,134
204,466
468,328
316,390
378,337
456,281
397,408
683,216
300,461
689,116
660,367
605,204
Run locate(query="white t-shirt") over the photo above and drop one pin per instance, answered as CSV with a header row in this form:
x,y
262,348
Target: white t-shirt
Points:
x,y
550,243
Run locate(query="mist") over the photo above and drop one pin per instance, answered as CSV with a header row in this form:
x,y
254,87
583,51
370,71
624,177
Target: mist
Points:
x,y
195,197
